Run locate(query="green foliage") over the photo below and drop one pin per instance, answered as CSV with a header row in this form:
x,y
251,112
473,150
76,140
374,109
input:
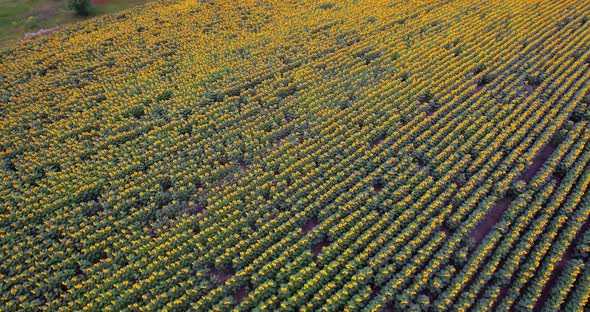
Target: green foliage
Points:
x,y
326,6
166,95
81,7
289,167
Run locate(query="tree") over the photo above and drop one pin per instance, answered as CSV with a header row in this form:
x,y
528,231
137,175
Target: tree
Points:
x,y
81,7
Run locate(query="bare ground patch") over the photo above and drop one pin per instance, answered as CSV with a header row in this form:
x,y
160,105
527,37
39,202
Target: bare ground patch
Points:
x,y
559,267
309,225
240,295
538,161
41,32
222,275
317,248
491,218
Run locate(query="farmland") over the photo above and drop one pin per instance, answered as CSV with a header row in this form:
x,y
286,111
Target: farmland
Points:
x,y
398,155
29,18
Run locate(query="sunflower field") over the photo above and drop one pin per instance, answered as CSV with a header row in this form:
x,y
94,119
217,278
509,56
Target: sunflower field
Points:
x,y
271,155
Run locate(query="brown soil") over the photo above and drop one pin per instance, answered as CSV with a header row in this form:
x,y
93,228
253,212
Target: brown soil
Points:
x,y
565,258
419,165
317,249
374,290
240,295
377,186
282,136
309,225
530,88
492,217
377,142
222,275
538,162
192,209
430,111
445,229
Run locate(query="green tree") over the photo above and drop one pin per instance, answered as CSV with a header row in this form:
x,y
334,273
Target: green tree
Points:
x,y
81,7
